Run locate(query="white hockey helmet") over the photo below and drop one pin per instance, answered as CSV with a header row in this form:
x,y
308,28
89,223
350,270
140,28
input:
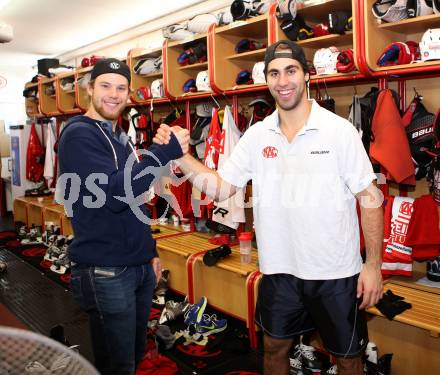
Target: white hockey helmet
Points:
x,y
200,23
202,81
176,32
430,45
325,60
157,88
258,73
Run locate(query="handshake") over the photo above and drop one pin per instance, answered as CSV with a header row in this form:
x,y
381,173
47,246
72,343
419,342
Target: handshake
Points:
x,y
163,136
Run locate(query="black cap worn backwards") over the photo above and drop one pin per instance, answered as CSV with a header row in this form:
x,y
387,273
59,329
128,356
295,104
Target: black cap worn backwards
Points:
x,y
110,66
287,49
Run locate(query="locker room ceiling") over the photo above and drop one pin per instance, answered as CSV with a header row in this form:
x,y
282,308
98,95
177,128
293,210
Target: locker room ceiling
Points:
x,y
47,28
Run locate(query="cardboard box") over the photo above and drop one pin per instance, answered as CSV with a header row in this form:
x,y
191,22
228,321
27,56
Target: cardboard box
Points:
x,y
5,145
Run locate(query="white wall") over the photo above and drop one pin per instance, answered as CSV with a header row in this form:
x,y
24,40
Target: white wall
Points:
x,y
12,109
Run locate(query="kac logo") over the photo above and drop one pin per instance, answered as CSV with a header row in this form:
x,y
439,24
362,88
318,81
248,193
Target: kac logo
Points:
x,y
115,65
270,152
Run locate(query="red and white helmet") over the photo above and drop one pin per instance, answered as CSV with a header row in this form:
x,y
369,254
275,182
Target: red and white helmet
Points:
x,y
345,62
430,45
325,60
258,73
157,88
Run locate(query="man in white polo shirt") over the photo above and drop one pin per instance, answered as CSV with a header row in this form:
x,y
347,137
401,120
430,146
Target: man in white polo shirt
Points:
x,y
308,166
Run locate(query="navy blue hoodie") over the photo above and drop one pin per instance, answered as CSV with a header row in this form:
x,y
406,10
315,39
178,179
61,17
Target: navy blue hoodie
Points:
x,y
111,235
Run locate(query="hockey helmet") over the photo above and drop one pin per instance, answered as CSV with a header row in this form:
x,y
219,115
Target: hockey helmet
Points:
x,y
202,81
430,45
157,88
258,73
325,60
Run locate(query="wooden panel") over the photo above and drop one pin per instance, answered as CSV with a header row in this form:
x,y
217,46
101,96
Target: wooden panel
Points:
x,y
415,25
20,211
48,105
176,75
173,253
425,310
53,214
66,225
82,99
224,285
379,36
414,350
137,80
32,107
35,212
317,12
65,99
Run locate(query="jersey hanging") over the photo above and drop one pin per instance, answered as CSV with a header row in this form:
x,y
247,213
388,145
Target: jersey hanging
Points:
x,y
34,157
229,212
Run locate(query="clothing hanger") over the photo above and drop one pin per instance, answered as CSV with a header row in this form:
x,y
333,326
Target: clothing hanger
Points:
x,y
215,101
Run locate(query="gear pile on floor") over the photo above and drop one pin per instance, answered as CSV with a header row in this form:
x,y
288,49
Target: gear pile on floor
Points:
x,y
195,337
46,250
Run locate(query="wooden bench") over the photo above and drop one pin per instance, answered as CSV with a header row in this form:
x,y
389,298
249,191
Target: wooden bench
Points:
x,y
425,310
230,286
174,250
29,211
412,336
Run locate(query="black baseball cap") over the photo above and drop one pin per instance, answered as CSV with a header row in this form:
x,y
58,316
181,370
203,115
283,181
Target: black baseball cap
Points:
x,y
289,50
111,65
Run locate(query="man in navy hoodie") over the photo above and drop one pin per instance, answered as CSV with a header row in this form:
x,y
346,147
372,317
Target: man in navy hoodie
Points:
x,y
115,265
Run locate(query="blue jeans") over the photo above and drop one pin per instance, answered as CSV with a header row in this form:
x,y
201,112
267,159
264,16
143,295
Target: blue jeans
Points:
x,y
118,302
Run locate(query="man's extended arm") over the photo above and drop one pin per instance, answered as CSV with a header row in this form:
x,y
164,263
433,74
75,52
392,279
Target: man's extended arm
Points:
x,y
370,279
203,178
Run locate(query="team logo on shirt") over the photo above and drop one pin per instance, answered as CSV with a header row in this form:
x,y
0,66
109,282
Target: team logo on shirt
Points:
x,y
270,152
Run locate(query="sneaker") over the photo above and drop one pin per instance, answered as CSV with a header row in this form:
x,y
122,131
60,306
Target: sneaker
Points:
x,y
210,324
312,359
332,370
173,310
161,288
195,312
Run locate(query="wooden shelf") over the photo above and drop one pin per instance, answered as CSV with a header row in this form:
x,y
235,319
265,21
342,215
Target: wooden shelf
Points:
x,y
318,10
250,55
152,75
245,87
405,66
413,25
253,28
196,94
327,41
187,40
140,53
326,76
197,66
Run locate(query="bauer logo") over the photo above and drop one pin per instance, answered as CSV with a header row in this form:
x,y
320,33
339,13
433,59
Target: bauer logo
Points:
x,y
270,152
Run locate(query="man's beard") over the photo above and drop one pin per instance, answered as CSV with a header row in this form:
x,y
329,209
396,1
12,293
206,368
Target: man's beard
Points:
x,y
111,116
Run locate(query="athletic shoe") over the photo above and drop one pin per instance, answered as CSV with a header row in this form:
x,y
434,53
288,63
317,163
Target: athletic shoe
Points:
x,y
195,313
296,365
161,289
173,310
332,370
312,359
210,324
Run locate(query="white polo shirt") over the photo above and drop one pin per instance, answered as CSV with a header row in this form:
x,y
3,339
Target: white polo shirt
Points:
x,y
303,194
